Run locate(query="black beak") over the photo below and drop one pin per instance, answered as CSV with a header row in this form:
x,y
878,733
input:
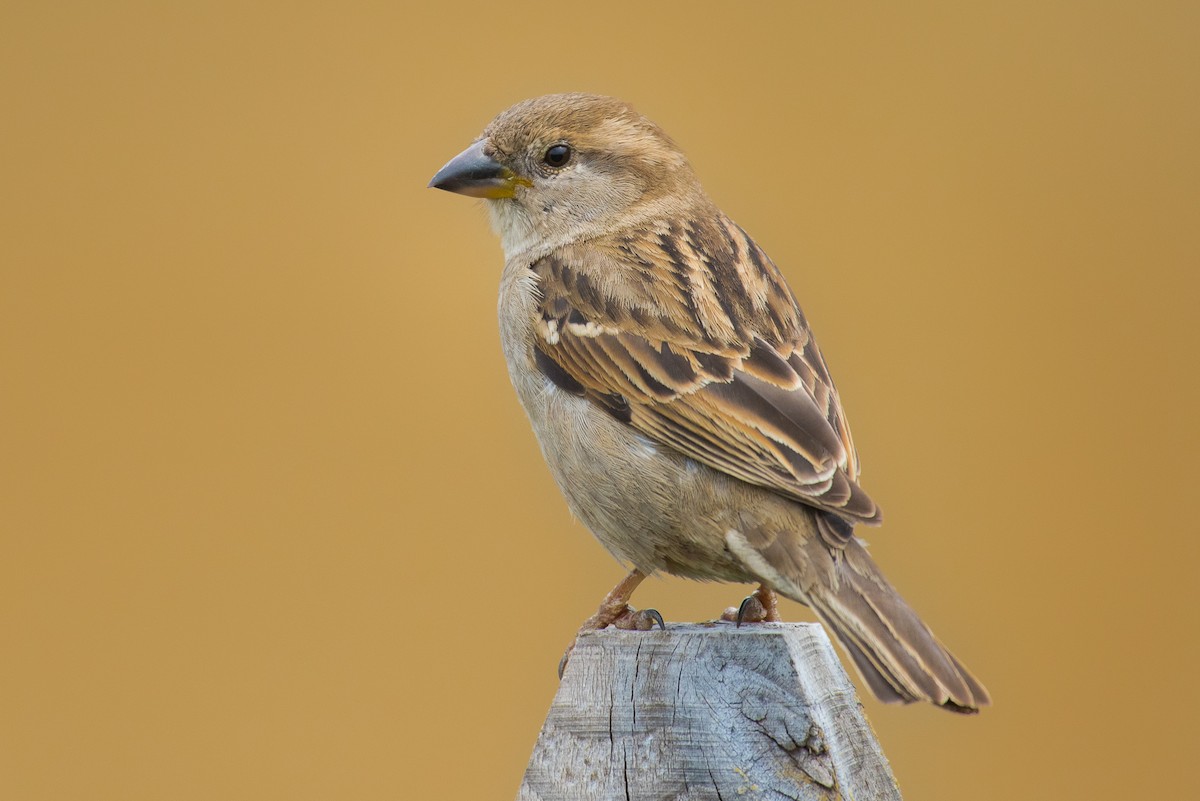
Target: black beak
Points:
x,y
473,173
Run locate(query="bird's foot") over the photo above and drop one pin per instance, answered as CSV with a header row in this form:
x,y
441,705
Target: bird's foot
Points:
x,y
626,618
615,611
623,617
762,606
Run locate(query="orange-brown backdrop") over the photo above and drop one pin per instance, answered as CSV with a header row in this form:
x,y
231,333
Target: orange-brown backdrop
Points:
x,y
272,524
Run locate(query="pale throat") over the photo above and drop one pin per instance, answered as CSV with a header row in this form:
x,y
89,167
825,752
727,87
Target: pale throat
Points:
x,y
517,233
532,236
522,236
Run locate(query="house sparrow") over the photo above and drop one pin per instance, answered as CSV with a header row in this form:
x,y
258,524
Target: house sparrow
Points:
x,y
675,387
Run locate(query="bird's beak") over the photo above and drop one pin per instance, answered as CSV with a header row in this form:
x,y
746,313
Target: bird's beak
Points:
x,y
474,173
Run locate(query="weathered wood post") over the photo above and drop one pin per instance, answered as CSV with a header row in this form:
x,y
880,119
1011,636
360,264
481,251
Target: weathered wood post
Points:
x,y
707,711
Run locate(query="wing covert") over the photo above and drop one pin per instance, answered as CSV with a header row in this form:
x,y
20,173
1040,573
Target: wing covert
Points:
x,y
737,383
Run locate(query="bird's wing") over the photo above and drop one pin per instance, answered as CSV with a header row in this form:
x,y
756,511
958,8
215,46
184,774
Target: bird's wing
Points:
x,y
689,334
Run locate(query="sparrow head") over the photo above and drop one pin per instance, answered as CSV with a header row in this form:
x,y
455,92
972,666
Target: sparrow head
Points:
x,y
561,168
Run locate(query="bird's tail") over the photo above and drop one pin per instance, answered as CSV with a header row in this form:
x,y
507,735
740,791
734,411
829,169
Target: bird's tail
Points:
x,y
824,566
895,652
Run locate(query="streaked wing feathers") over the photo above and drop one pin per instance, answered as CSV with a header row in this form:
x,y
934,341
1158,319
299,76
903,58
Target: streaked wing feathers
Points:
x,y
744,389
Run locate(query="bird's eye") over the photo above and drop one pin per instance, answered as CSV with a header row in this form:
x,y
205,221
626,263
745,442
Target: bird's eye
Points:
x,y
557,156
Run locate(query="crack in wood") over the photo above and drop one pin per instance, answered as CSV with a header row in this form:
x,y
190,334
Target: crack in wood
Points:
x,y
706,713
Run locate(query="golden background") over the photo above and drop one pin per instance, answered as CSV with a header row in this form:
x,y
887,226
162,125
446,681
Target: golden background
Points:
x,y
274,526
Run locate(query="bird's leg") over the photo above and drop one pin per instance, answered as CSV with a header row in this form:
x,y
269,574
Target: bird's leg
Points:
x,y
761,606
615,611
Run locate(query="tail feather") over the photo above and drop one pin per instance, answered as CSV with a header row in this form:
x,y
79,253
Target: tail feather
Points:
x,y
894,651
825,567
884,686
978,691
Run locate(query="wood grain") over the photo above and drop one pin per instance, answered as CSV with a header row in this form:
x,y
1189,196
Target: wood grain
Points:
x,y
707,711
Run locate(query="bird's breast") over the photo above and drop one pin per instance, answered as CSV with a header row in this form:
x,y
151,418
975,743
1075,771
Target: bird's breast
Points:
x,y
647,504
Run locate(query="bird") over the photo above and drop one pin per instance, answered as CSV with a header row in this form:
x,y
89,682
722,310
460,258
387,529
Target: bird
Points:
x,y
676,389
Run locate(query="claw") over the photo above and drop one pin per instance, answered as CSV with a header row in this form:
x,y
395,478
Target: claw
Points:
x,y
629,620
615,611
653,614
634,620
562,663
758,607
746,604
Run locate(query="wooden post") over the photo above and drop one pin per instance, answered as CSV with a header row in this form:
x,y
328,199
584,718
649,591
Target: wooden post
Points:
x,y
706,711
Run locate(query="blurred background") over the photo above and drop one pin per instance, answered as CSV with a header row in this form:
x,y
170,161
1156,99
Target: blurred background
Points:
x,y
273,524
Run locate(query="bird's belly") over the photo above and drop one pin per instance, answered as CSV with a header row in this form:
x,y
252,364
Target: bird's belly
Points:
x,y
648,505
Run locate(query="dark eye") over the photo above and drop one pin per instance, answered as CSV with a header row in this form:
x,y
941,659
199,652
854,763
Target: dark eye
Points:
x,y
557,156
